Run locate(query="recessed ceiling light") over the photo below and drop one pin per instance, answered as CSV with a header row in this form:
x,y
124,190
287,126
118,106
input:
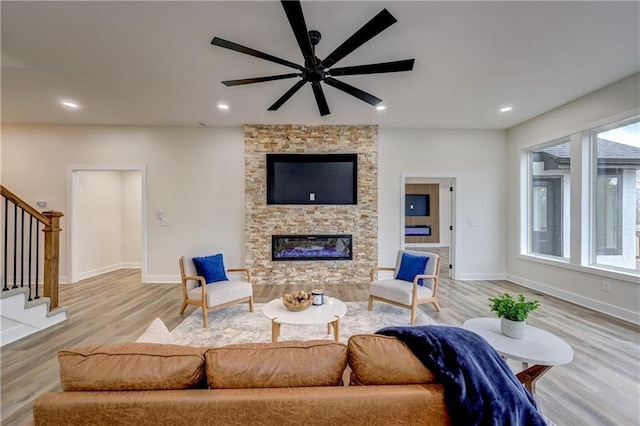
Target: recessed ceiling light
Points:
x,y
506,108
70,104
381,107
223,107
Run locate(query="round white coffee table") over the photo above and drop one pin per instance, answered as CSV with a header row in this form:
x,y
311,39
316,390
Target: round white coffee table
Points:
x,y
328,313
539,347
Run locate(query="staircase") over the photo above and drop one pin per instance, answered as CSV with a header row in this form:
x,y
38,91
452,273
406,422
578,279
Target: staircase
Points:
x,y
20,317
30,261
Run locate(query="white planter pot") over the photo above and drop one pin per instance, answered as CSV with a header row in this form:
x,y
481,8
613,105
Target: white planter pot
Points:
x,y
515,329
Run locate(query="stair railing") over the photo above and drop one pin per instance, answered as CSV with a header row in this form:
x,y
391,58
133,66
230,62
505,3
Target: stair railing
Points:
x,y
21,259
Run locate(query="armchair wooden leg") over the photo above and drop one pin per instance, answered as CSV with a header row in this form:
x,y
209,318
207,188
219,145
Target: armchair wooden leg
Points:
x,y
413,315
205,317
370,302
183,307
251,304
437,305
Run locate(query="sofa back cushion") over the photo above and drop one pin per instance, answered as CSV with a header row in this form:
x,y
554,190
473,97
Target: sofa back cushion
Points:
x,y
131,367
275,365
382,360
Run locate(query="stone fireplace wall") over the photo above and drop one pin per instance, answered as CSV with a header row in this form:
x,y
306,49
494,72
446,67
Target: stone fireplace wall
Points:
x,y
262,221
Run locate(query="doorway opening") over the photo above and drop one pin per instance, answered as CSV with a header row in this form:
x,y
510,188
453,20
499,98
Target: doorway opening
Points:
x,y
427,218
107,220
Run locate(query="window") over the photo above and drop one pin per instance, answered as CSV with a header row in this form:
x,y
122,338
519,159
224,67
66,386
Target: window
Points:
x,y
616,195
549,215
605,197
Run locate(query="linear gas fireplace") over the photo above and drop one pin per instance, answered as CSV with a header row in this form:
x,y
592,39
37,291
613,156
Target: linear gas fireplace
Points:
x,y
311,247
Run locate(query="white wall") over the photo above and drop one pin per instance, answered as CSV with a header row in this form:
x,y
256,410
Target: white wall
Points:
x,y
571,282
195,175
477,159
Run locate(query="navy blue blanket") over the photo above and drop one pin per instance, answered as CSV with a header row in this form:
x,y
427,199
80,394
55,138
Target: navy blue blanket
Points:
x,y
479,386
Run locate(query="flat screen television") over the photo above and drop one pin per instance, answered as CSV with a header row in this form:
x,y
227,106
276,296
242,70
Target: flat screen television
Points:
x,y
416,205
312,178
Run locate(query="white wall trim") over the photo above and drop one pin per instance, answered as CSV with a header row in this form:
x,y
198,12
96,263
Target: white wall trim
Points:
x,y
115,267
605,308
75,276
470,276
162,279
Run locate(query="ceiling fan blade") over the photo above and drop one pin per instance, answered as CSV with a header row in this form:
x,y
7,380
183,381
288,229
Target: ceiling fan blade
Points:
x,y
353,91
375,26
320,99
293,9
229,83
284,98
252,52
406,65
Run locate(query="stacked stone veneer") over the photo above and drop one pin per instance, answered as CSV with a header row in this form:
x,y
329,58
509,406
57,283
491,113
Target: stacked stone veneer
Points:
x,y
262,221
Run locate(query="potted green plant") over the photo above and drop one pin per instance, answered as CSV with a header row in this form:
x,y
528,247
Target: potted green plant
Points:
x,y
513,313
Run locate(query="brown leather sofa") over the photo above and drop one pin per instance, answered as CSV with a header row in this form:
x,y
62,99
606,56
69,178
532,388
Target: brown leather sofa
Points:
x,y
373,380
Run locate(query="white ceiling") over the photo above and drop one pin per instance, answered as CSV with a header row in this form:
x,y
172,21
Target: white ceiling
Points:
x,y
151,63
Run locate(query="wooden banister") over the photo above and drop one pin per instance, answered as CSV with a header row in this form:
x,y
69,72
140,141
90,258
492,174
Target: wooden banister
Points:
x,y
51,228
52,256
24,205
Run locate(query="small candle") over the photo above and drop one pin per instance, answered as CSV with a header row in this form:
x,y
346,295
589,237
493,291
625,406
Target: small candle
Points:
x,y
318,297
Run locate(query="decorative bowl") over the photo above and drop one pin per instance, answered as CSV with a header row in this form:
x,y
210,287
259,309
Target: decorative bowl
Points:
x,y
298,301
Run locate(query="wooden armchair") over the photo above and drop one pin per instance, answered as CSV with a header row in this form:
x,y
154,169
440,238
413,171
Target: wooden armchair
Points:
x,y
215,295
407,294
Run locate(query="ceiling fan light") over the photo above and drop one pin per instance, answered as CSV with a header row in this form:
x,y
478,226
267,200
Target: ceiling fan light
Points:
x,y
223,107
506,108
381,107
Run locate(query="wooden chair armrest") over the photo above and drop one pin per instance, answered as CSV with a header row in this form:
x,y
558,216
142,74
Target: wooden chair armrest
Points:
x,y
203,284
245,270
418,277
375,270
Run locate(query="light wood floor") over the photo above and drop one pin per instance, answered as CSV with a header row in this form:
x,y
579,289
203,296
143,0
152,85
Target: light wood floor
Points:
x,y
600,386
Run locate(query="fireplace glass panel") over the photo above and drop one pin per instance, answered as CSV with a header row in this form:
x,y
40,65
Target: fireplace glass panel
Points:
x,y
311,247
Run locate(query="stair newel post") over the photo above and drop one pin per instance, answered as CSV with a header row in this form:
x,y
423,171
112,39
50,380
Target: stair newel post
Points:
x,y
52,256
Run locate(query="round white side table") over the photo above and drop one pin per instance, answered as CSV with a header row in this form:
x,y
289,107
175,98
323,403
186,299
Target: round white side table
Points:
x,y
539,347
328,313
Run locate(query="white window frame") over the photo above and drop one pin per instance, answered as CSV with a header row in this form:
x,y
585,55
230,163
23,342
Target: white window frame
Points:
x,y
582,219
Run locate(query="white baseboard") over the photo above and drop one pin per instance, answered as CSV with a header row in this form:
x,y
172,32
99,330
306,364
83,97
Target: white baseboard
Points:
x,y
480,276
103,270
596,305
162,279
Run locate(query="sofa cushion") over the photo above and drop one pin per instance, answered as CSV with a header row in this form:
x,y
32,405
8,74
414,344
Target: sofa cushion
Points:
x,y
275,365
157,332
131,367
381,360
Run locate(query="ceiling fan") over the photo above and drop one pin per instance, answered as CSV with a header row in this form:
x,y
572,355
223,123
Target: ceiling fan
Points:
x,y
316,71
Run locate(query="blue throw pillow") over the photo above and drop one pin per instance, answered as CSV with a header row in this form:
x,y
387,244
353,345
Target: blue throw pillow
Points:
x,y
410,266
211,268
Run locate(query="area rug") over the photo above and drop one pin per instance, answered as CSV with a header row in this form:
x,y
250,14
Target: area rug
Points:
x,y
235,324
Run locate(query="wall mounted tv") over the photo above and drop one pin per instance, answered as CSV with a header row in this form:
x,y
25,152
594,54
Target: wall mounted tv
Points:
x,y
416,205
312,178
